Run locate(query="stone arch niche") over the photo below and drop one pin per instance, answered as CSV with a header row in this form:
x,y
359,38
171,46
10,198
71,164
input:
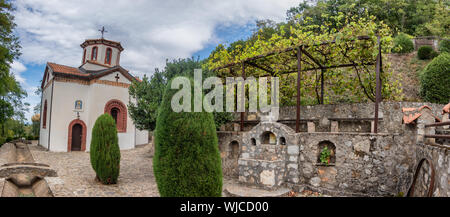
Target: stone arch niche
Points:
x,y
331,150
265,159
231,159
268,138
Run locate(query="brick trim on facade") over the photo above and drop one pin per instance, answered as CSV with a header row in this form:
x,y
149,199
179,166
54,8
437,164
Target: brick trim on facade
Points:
x,y
121,116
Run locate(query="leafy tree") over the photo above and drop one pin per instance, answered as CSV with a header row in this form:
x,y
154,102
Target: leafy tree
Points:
x,y
148,95
414,17
444,45
149,92
403,44
35,127
435,80
426,52
6,112
11,94
105,151
187,161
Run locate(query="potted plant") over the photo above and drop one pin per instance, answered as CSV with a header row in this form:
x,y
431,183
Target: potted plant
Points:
x,y
325,156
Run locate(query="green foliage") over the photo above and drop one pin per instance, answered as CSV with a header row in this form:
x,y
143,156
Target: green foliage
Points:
x,y
149,93
435,80
105,151
426,53
417,17
357,82
403,44
444,45
11,94
187,162
325,155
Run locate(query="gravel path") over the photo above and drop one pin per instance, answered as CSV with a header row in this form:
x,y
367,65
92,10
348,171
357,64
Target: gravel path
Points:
x,y
136,173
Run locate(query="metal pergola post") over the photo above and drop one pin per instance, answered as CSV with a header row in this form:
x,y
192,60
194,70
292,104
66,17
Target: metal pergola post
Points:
x,y
299,70
321,85
378,68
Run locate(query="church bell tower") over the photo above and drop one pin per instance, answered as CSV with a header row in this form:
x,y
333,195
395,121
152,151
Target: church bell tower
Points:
x,y
101,52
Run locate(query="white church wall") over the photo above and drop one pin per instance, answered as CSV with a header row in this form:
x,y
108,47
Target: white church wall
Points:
x,y
65,95
43,133
94,67
141,137
100,94
112,77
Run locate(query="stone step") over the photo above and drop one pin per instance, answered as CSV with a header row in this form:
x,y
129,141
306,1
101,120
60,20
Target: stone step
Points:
x,y
240,190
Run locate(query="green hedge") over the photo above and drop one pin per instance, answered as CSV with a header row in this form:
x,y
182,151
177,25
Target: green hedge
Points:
x,y
187,161
444,45
105,151
426,52
435,80
403,44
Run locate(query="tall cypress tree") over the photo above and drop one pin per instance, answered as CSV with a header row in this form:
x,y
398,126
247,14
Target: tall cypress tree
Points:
x,y
187,161
105,151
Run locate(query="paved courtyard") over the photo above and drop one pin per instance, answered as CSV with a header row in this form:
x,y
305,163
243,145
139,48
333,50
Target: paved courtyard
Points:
x,y
136,173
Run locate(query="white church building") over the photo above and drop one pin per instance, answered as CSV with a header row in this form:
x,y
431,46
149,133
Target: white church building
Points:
x,y
73,98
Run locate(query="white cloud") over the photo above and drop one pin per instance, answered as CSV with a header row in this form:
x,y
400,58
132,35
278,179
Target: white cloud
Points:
x,y
17,68
150,31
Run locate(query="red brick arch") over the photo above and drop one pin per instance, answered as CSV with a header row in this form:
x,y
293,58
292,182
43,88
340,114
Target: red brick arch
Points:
x,y
121,116
83,136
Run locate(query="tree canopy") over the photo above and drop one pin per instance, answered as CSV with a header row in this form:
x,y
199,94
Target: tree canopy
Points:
x,y
11,93
356,83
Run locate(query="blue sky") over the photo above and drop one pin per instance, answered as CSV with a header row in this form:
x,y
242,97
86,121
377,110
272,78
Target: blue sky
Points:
x,y
151,31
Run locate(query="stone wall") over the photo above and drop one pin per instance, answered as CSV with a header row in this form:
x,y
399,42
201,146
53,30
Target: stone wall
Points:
x,y
390,114
364,163
432,41
229,159
440,160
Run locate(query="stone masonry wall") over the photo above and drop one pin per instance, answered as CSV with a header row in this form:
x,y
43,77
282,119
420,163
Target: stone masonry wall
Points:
x,y
439,156
366,164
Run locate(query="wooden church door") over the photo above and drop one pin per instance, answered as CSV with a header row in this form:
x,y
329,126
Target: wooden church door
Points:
x,y
77,130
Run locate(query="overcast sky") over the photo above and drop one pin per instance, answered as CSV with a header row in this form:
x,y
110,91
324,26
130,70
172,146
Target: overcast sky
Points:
x,y
150,31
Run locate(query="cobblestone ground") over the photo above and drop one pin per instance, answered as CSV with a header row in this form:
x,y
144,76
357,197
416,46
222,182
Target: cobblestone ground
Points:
x,y
136,173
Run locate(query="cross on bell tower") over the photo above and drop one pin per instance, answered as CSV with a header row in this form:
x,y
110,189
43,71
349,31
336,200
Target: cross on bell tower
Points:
x,y
103,31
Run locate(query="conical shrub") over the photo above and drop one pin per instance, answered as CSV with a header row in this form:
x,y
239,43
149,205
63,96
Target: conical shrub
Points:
x,y
187,160
105,151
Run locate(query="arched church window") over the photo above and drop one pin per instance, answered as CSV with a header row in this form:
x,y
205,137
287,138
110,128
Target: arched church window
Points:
x,y
44,119
114,114
108,56
84,56
118,111
94,53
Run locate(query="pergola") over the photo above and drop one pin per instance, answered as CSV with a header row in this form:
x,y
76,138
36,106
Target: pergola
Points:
x,y
298,52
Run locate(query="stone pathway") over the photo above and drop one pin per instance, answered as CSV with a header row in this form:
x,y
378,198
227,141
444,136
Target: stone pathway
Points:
x,y
74,168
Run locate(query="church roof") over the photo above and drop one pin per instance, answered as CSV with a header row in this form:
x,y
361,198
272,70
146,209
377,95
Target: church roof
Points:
x,y
66,69
80,73
102,41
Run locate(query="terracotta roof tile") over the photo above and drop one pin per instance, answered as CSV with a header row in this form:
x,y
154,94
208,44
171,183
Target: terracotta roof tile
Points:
x,y
446,109
66,69
411,114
